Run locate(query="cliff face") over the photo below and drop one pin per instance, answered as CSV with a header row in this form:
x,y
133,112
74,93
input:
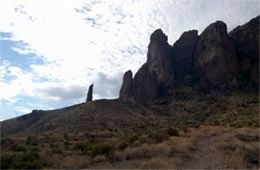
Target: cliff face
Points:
x,y
159,57
215,55
246,41
214,58
156,73
183,50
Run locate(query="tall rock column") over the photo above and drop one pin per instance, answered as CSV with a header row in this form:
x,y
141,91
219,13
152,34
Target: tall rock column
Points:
x,y
126,90
183,50
215,55
156,73
159,57
90,93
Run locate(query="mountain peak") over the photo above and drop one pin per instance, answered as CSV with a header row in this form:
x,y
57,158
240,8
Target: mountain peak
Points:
x,y
212,59
159,36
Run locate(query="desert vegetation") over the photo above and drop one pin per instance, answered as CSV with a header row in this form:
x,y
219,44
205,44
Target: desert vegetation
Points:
x,y
164,147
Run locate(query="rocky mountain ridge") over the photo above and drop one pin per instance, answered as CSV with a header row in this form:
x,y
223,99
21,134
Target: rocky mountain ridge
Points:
x,y
213,59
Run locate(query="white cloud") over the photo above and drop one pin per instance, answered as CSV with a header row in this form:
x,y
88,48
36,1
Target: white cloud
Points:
x,y
23,110
86,41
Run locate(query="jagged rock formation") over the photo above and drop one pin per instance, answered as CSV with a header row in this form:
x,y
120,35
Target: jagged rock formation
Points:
x,y
183,50
215,55
159,57
90,93
126,89
155,73
145,84
246,40
214,59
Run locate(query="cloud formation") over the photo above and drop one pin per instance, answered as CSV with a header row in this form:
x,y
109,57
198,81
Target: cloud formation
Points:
x,y
58,48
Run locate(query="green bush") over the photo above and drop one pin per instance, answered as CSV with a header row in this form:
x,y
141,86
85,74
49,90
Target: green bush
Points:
x,y
29,160
27,165
16,148
93,147
100,149
6,161
57,151
172,132
122,145
82,146
30,156
158,136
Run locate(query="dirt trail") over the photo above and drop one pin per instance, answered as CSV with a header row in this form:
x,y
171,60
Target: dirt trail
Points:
x,y
207,154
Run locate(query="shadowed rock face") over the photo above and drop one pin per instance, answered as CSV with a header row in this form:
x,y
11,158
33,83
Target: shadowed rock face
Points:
x,y
146,86
159,57
156,72
126,90
215,55
212,60
246,39
183,50
90,93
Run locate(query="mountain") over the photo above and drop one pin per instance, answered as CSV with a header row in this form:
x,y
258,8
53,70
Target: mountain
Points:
x,y
214,59
190,103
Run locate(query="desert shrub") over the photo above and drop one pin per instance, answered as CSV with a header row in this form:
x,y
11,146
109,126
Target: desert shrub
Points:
x,y
30,156
100,149
129,139
6,161
252,157
172,132
31,140
247,138
158,136
143,151
216,122
16,148
82,146
122,145
57,151
66,136
26,165
93,147
35,149
30,160
132,139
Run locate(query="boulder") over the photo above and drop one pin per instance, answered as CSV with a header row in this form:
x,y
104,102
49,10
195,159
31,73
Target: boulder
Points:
x,y
215,54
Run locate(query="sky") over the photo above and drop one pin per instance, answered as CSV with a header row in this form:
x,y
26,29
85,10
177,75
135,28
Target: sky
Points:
x,y
52,50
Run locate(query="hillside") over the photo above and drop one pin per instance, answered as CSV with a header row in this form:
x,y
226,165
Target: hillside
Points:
x,y
191,103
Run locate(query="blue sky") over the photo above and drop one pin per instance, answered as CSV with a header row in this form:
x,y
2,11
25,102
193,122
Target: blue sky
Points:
x,y
52,50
